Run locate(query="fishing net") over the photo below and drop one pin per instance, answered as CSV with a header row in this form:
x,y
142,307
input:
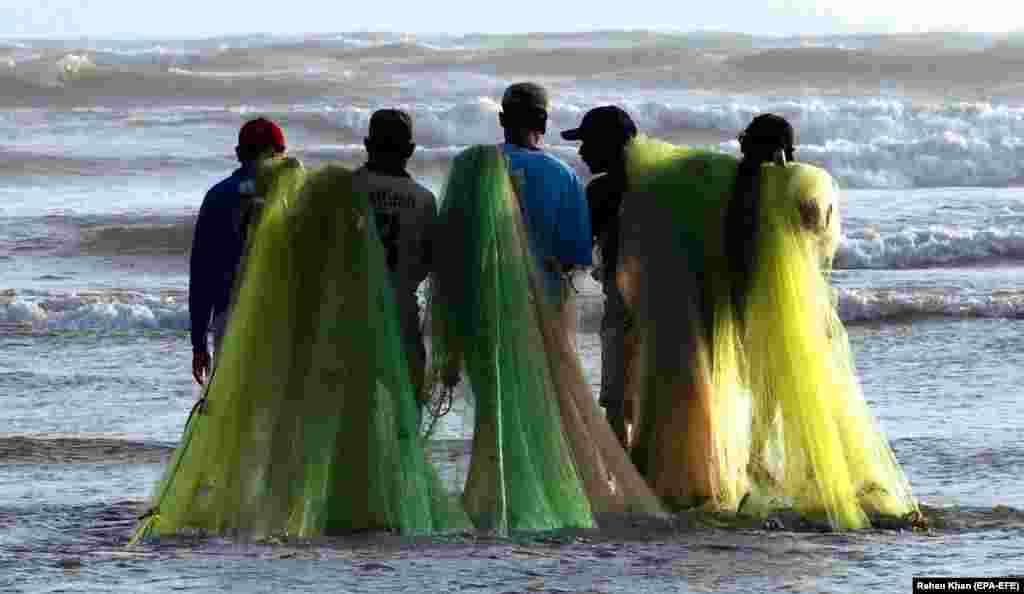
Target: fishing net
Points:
x,y
543,456
836,461
770,408
689,407
309,425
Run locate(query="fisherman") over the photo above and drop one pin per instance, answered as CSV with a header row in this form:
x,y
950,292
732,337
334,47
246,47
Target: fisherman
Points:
x,y
551,196
227,213
605,132
405,212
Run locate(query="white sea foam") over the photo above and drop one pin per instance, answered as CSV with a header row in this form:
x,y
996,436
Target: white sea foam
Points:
x,y
929,247
881,141
72,66
864,143
871,305
154,50
872,143
882,305
128,311
325,96
95,311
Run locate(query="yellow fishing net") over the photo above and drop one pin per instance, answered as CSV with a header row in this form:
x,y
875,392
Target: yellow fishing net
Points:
x,y
835,460
309,425
770,407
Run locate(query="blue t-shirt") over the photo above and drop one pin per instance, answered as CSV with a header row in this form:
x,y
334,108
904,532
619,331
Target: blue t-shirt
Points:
x,y
554,208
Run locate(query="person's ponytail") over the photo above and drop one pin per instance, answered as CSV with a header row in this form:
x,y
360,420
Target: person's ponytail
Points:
x,y
768,138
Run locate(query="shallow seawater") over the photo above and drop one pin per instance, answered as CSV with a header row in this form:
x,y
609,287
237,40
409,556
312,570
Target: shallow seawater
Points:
x,y
92,418
95,384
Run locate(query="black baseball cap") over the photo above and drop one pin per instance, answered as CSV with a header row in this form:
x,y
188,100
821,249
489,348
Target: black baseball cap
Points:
x,y
607,120
390,127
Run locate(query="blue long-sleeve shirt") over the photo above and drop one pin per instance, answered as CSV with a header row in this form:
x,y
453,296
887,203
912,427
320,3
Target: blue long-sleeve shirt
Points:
x,y
218,244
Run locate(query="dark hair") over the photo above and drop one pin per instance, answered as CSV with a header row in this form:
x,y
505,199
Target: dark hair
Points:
x,y
526,117
768,138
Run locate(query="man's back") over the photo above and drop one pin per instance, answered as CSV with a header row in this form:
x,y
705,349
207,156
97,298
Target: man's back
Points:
x,y
228,212
554,208
405,212
217,249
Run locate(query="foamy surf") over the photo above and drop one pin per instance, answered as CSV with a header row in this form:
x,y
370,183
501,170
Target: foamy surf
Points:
x,y
930,247
93,311
112,310
882,130
866,142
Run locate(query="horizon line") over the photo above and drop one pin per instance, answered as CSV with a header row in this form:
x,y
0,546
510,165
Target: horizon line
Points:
x,y
385,31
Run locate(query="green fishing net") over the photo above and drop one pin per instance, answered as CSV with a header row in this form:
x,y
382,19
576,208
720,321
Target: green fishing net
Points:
x,y
521,475
543,455
309,425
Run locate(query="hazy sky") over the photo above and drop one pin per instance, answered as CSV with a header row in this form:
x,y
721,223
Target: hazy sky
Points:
x,y
195,18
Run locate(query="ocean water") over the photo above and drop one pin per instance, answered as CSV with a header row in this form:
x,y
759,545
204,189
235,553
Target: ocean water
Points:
x,y
108,147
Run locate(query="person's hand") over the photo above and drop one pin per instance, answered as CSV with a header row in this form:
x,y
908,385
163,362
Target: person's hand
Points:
x,y
201,366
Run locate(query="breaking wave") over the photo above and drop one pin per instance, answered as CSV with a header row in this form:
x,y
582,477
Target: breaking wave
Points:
x,y
98,311
880,305
931,247
103,311
324,90
865,143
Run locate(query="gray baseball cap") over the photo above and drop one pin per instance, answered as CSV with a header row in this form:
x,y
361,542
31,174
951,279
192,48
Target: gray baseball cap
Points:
x,y
526,94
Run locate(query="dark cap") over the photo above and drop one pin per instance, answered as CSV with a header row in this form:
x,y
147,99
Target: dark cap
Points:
x,y
259,134
390,127
608,120
526,95
766,134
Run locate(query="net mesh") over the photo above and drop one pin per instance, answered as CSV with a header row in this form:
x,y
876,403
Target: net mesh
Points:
x,y
689,411
309,424
837,462
771,408
543,456
521,474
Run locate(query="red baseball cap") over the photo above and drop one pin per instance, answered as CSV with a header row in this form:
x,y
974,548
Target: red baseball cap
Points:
x,y
261,133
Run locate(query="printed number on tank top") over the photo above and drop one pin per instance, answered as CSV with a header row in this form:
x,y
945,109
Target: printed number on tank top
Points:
x,y
389,229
